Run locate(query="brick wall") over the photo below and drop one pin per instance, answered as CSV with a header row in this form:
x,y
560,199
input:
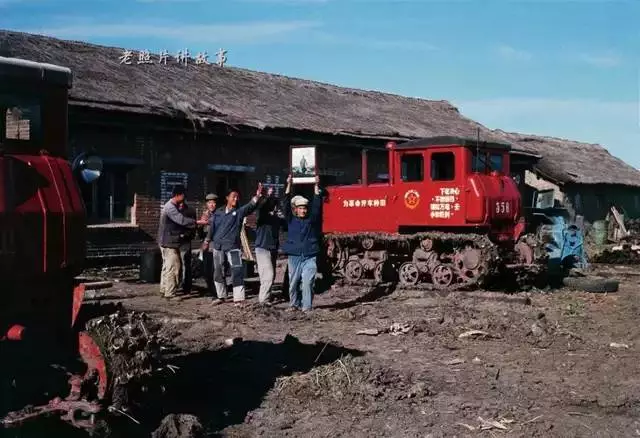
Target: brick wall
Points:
x,y
146,213
158,148
116,240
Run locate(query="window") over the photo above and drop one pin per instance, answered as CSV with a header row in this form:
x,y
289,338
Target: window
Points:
x,y
485,162
226,181
109,199
517,177
443,166
19,119
577,203
478,163
412,167
113,195
496,162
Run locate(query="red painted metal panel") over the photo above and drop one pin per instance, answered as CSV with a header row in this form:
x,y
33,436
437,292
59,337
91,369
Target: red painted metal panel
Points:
x,y
78,297
49,213
46,203
15,333
356,208
466,200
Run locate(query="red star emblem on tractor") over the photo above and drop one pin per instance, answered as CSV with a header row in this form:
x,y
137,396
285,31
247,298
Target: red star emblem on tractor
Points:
x,y
411,199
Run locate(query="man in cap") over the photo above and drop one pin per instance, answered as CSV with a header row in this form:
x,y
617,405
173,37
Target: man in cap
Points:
x,y
302,244
207,255
173,225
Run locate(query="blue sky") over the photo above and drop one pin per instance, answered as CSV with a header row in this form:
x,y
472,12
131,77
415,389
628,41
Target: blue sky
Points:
x,y
561,68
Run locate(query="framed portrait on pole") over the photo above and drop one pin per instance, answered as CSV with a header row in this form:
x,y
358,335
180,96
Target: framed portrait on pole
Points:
x,y
303,164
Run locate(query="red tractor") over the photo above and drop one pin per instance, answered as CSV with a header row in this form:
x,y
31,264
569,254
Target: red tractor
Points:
x,y
449,215
42,249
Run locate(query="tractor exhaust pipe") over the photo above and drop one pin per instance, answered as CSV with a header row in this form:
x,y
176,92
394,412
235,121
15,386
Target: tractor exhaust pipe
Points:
x,y
365,168
391,146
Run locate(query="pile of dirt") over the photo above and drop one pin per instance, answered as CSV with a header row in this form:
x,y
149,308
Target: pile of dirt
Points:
x,y
352,386
351,380
179,426
633,226
132,345
625,256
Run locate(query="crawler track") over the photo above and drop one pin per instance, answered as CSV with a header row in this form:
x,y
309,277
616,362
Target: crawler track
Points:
x,y
422,260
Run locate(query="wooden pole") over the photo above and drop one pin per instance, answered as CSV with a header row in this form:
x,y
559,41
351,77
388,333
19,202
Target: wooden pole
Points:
x,y
246,248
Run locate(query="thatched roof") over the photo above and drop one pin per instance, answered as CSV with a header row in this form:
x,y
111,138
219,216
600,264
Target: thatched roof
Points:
x,y
567,161
242,97
237,96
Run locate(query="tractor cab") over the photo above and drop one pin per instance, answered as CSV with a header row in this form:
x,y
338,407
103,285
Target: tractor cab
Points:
x,y
33,107
33,113
437,183
42,215
455,182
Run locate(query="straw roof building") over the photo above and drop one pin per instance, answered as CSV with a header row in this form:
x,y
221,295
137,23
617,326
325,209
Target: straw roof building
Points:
x,y
227,126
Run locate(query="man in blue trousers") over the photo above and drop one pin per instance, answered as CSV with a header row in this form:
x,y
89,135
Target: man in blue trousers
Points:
x,y
225,226
302,246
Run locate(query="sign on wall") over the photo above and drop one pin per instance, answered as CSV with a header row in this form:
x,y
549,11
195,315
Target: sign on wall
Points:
x,y
168,180
274,182
231,168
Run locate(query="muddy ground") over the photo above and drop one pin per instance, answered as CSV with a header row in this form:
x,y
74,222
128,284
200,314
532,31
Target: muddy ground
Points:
x,y
565,365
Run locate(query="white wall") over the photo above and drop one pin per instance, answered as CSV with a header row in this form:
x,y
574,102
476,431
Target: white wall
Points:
x,y
538,183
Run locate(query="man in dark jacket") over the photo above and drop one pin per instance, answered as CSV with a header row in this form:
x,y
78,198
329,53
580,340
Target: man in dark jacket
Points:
x,y
302,244
207,255
173,225
268,223
225,226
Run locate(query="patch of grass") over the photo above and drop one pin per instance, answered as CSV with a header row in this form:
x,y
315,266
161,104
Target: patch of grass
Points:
x,y
574,308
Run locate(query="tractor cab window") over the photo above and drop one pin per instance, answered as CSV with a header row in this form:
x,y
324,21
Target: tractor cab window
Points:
x,y
485,162
495,160
443,166
19,120
412,167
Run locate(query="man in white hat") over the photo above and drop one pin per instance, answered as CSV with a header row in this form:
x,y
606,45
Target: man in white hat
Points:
x,y
304,227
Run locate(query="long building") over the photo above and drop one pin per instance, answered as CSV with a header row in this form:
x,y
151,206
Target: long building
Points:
x,y
212,128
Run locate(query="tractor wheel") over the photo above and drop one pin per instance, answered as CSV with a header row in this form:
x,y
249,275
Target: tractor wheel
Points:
x,y
592,284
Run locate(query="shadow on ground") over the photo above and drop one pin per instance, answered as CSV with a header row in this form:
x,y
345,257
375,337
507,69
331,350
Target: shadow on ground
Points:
x,y
375,293
222,386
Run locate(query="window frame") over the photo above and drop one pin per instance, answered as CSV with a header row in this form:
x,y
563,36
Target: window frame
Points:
x,y
420,156
35,107
432,158
488,167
